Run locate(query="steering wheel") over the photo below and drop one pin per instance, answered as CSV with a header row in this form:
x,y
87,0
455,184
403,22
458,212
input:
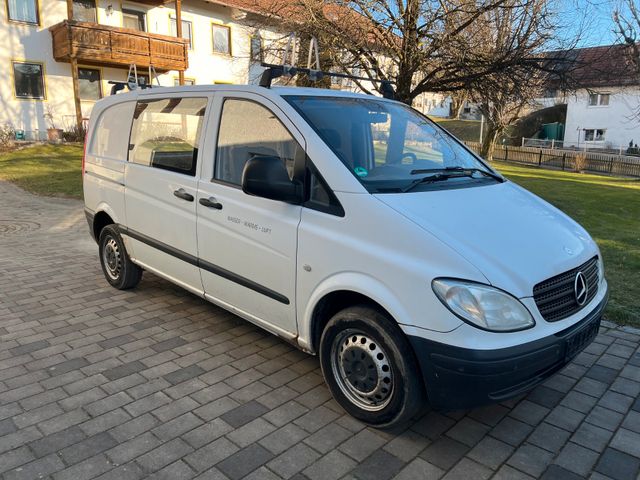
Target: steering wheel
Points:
x,y
410,155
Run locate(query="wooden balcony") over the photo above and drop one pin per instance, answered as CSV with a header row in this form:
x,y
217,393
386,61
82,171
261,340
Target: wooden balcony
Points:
x,y
95,44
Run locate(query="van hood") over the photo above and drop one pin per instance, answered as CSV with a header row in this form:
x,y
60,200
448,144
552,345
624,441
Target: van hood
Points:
x,y
513,237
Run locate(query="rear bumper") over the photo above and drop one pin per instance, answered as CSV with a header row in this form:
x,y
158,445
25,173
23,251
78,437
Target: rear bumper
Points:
x,y
90,216
460,378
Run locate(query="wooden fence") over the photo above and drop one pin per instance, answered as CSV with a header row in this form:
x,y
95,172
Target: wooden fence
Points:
x,y
622,165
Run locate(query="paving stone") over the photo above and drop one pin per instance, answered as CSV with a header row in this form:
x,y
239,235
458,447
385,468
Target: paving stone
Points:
x,y
207,433
508,473
168,344
124,370
207,456
57,441
332,466
380,465
284,438
468,431
529,412
116,341
556,472
579,401
531,459
15,458
545,396
176,427
627,441
187,373
591,436
245,461
293,460
250,432
85,470
591,387
432,425
444,453
163,455
405,446
29,347
40,468
491,452
564,417
67,366
244,414
511,431
549,437
616,402
361,445
576,459
605,418
602,374
466,469
618,465
419,468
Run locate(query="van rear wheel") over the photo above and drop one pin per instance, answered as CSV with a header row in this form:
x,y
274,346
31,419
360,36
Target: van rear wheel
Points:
x,y
117,267
369,367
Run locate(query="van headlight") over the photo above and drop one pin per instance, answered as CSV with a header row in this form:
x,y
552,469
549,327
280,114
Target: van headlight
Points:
x,y
483,306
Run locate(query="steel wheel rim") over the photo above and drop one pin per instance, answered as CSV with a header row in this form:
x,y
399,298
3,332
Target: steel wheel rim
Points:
x,y
362,370
112,258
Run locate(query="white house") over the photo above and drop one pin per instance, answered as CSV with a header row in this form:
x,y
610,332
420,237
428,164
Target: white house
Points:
x,y
603,112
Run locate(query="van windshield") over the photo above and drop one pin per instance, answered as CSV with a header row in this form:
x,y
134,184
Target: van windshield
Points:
x,y
390,147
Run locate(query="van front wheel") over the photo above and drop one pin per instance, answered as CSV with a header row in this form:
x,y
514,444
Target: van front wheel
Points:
x,y
369,367
117,267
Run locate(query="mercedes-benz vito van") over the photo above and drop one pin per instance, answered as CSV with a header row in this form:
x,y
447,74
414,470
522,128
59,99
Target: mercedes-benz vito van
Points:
x,y
351,226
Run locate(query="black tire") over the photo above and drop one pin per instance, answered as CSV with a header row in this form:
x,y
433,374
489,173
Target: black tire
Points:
x,y
118,269
366,332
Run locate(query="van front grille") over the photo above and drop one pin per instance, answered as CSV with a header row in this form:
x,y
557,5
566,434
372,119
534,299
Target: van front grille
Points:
x,y
556,297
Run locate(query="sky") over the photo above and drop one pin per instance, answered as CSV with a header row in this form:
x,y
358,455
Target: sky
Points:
x,y
590,19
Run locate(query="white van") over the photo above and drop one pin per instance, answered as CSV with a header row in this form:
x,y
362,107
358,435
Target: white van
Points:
x,y
351,226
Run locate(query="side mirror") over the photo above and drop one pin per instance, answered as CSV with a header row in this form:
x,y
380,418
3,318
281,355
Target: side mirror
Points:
x,y
267,177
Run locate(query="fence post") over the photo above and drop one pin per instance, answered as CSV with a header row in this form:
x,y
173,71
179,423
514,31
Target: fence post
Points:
x,y
564,157
540,158
506,153
553,143
611,164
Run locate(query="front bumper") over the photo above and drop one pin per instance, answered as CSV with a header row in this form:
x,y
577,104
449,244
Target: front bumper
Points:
x,y
460,378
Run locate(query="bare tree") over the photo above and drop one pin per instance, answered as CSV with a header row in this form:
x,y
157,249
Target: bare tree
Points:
x,y
627,26
458,100
421,45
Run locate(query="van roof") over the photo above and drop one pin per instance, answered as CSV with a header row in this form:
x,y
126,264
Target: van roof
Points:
x,y
274,90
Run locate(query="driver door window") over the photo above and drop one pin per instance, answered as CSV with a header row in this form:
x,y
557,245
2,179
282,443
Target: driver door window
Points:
x,y
247,129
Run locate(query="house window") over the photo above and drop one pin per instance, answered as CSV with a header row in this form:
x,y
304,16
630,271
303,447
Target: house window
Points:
x,y
598,99
89,84
29,80
187,81
84,10
25,11
221,39
594,134
186,31
134,19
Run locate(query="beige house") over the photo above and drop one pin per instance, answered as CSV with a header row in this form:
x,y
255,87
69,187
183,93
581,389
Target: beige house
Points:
x,y
40,46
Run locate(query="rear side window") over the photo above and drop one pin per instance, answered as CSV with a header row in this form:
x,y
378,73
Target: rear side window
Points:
x,y
248,129
111,133
166,133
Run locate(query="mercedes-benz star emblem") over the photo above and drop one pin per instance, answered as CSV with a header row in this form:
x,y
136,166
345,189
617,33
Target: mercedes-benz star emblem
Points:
x,y
580,289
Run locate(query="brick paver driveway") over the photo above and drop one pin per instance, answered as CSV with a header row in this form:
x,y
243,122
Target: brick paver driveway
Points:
x,y
96,383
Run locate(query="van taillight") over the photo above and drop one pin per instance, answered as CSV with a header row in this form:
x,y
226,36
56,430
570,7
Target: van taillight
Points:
x,y
84,152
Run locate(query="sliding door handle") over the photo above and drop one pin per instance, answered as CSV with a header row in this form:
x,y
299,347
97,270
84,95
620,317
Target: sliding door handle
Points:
x,y
211,203
180,193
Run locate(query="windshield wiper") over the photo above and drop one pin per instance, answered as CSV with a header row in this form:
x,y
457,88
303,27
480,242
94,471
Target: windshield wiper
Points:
x,y
438,177
468,170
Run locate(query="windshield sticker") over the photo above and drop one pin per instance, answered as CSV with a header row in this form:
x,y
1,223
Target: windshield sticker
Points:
x,y
361,171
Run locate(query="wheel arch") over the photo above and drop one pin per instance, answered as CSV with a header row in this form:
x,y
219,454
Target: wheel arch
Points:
x,y
104,216
338,293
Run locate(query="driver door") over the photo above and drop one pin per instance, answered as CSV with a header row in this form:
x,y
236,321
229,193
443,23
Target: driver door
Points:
x,y
247,245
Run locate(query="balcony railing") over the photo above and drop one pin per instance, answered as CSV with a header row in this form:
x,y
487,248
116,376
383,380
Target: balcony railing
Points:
x,y
97,44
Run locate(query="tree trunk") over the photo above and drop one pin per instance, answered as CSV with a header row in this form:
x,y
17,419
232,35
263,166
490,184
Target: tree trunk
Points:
x,y
457,104
489,142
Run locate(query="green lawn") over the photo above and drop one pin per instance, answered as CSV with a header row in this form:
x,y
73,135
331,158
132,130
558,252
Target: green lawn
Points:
x,y
608,207
45,169
466,130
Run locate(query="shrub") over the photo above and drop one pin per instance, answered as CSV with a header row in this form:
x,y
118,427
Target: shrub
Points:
x,y
580,162
7,135
75,134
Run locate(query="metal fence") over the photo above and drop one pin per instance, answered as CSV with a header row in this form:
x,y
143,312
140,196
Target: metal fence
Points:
x,y
566,160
